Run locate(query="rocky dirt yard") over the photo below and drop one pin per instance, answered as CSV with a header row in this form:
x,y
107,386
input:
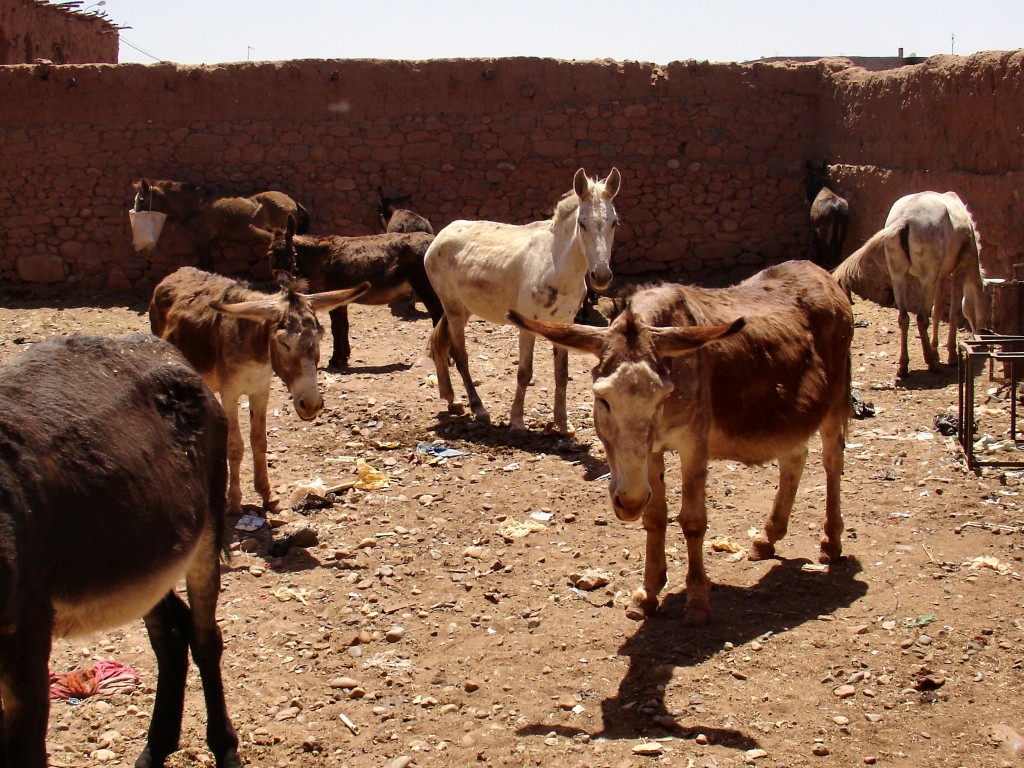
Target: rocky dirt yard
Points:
x,y
468,610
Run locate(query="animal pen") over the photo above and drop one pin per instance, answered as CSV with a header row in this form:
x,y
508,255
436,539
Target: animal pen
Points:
x,y
987,350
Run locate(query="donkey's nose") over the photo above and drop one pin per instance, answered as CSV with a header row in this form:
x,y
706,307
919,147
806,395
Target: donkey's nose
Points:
x,y
628,508
308,406
600,276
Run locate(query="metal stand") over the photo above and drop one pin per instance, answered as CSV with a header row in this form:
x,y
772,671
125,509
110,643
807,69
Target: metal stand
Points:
x,y
972,354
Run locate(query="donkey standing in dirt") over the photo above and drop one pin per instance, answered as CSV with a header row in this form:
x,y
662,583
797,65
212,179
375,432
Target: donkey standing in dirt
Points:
x,y
540,270
113,466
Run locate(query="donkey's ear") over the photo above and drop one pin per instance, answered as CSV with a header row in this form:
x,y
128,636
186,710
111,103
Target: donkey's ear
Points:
x,y
325,302
581,184
576,338
612,183
676,341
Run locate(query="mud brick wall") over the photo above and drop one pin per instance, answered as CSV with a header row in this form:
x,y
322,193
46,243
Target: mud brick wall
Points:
x,y
31,30
712,156
949,123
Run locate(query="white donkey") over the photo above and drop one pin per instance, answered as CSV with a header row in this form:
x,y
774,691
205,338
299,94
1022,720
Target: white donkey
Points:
x,y
540,270
930,236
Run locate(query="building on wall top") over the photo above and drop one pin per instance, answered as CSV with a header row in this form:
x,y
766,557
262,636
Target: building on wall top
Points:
x,y
75,32
871,63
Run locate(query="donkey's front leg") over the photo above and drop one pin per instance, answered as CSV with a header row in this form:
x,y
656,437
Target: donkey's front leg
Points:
x,y
236,450
24,688
524,375
258,439
693,519
561,384
339,338
655,521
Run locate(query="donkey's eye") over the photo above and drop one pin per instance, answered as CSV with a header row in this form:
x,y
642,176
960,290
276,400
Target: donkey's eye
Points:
x,y
603,404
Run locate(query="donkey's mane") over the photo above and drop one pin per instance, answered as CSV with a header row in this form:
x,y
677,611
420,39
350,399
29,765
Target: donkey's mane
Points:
x,y
566,207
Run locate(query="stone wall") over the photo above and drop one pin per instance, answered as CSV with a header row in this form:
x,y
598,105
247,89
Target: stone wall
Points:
x,y
31,30
712,156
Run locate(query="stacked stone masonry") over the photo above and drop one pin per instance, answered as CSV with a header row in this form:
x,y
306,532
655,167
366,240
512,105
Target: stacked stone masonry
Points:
x,y
712,155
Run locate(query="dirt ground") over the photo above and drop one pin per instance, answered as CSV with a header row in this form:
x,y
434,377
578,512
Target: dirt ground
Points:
x,y
459,617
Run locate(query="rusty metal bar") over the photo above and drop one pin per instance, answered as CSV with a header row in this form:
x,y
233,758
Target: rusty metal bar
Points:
x,y
972,355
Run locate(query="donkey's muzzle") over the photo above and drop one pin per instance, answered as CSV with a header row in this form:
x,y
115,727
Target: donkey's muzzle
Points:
x,y
600,277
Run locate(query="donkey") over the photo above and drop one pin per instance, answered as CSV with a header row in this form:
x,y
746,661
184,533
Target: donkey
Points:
x,y
392,264
540,270
211,218
395,219
830,217
777,372
119,436
237,338
930,236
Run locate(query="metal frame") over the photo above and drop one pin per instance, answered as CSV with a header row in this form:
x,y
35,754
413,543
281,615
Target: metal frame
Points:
x,y
972,353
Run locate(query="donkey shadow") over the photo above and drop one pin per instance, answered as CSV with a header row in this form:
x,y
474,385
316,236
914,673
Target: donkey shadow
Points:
x,y
569,449
783,598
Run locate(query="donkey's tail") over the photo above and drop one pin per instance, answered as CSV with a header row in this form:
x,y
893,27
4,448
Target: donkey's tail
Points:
x,y
440,343
852,272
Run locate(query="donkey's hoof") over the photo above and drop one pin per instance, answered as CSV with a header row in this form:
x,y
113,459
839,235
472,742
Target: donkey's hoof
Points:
x,y
456,409
831,551
565,430
481,415
761,549
338,364
641,605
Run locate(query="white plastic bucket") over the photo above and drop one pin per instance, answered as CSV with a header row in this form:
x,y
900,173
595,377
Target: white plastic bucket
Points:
x,y
146,227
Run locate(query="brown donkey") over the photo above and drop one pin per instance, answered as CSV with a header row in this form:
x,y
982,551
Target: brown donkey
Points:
x,y
119,438
777,372
238,338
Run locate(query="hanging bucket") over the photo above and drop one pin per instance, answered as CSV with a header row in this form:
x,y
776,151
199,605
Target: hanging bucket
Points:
x,y
146,227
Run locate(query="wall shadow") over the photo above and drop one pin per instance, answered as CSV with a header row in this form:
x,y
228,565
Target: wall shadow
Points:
x,y
782,599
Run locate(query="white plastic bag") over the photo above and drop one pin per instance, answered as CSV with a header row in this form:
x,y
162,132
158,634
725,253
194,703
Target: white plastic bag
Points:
x,y
146,228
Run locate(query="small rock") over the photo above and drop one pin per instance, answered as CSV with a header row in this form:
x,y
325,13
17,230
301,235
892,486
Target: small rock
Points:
x,y
820,750
756,754
471,685
701,739
649,749
256,570
103,755
305,537
344,682
589,580
474,552
311,744
394,634
841,720
873,717
566,703
844,691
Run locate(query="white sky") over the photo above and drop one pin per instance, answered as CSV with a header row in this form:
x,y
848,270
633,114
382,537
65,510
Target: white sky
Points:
x,y
660,31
